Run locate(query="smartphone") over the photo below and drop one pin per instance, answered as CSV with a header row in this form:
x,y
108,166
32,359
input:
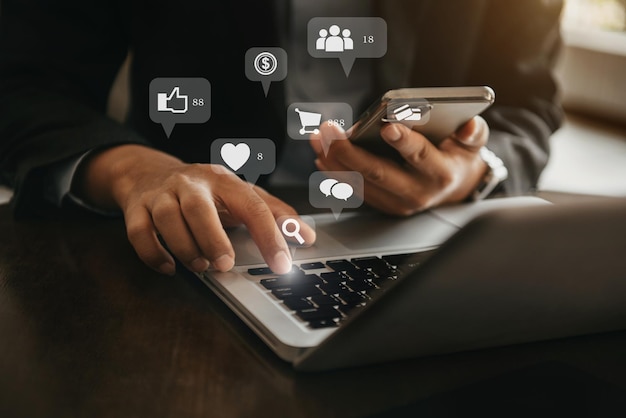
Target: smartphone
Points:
x,y
435,112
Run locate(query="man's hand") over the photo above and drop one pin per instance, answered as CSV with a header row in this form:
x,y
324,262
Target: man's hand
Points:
x,y
431,175
188,205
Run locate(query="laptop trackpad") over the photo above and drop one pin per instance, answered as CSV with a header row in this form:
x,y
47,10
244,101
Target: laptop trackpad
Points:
x,y
356,233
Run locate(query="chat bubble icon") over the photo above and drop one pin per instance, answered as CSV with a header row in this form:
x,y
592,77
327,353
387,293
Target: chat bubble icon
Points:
x,y
304,119
347,38
336,190
326,185
342,191
179,100
248,157
266,65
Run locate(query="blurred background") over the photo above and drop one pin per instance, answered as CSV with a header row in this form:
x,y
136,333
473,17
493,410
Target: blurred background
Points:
x,y
589,151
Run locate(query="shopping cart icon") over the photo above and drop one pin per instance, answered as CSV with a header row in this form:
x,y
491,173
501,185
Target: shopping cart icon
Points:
x,y
309,120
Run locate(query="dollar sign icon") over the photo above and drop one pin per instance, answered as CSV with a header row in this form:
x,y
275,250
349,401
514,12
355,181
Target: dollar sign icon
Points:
x,y
265,63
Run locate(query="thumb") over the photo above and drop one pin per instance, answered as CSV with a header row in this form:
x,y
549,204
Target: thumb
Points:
x,y
175,93
473,135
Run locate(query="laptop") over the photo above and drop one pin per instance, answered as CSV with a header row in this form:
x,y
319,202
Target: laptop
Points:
x,y
375,288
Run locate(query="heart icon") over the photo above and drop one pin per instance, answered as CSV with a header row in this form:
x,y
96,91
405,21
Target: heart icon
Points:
x,y
235,156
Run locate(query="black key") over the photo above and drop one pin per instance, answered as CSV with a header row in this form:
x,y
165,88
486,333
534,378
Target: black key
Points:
x,y
324,300
323,323
259,271
368,262
385,271
302,290
340,265
409,260
334,276
297,303
384,282
351,298
360,285
323,312
347,309
312,266
332,288
288,280
361,274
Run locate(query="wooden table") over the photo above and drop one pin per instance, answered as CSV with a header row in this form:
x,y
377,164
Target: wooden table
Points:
x,y
86,330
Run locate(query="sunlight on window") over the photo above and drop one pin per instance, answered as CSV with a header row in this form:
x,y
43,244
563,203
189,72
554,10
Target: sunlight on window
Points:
x,y
595,14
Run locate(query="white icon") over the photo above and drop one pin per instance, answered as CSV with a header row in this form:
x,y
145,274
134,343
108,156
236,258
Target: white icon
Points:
x,y
407,112
296,230
235,156
337,189
309,120
330,41
163,101
265,63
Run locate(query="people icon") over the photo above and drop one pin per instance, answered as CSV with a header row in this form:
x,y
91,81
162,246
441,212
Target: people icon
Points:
x,y
331,41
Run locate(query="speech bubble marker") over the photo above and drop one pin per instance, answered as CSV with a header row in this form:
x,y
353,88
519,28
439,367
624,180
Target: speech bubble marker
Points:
x,y
347,38
336,190
326,143
328,118
347,62
248,157
266,65
168,93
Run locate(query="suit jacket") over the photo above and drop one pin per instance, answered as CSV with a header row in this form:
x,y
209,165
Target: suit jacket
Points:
x,y
58,60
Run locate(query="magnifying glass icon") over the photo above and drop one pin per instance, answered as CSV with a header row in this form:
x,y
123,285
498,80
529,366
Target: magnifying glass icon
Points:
x,y
295,233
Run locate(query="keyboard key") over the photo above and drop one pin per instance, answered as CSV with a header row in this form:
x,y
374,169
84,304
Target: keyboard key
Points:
x,y
297,303
301,291
332,288
384,282
287,280
340,265
360,285
351,298
361,274
312,266
259,271
347,309
369,262
409,260
323,323
334,276
384,271
324,300
323,312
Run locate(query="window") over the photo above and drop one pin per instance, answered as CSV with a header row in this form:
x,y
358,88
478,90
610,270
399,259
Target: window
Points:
x,y
595,14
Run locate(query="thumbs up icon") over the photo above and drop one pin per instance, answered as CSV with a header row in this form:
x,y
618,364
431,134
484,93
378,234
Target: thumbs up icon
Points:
x,y
174,102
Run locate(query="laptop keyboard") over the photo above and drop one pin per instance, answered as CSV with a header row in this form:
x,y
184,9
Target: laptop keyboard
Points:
x,y
323,294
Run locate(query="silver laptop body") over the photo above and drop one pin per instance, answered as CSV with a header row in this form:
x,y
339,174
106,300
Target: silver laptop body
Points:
x,y
506,271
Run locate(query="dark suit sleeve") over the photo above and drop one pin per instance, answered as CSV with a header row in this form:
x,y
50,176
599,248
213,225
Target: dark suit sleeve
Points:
x,y
57,63
515,53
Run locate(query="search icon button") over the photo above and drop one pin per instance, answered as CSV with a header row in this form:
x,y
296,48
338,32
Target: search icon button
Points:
x,y
295,232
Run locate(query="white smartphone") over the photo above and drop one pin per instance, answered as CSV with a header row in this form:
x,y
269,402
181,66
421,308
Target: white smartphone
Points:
x,y
435,112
